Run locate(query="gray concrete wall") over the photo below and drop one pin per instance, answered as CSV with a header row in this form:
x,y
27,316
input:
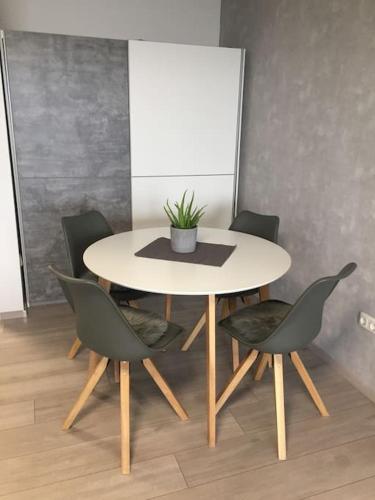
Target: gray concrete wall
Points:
x,y
70,112
308,150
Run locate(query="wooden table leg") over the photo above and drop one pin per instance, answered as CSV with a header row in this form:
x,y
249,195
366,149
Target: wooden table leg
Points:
x,y
211,369
168,307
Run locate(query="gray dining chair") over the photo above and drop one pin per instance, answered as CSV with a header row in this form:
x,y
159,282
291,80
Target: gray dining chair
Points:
x,y
263,226
278,328
81,231
125,335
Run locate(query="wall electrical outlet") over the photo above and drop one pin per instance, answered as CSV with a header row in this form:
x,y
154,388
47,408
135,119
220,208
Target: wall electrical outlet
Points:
x,y
367,322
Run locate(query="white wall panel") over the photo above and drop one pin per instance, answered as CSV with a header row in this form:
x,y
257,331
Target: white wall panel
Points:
x,y
183,108
11,294
149,194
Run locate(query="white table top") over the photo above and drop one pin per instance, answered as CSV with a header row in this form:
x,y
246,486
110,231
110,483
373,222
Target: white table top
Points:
x,y
254,263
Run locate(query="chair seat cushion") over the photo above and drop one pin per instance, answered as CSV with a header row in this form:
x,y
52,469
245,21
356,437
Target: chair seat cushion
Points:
x,y
154,331
119,293
254,324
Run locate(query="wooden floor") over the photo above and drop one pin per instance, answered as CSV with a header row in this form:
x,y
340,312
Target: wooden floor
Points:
x,y
328,458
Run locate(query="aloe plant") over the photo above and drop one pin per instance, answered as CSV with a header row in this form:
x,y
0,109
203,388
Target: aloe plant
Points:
x,y
184,215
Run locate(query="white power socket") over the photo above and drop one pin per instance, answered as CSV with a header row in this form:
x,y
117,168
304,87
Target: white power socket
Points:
x,y
367,322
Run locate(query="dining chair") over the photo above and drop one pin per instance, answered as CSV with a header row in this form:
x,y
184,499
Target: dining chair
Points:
x,y
263,226
125,335
81,231
278,328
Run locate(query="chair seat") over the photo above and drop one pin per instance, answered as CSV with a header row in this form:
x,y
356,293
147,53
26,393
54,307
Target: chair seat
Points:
x,y
244,293
254,324
154,331
119,293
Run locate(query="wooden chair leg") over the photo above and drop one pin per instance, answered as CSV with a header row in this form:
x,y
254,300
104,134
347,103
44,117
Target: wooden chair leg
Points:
x,y
85,393
116,371
105,284
232,304
264,361
280,410
165,389
247,299
306,379
236,378
194,333
235,354
168,307
94,359
125,416
74,349
264,293
225,308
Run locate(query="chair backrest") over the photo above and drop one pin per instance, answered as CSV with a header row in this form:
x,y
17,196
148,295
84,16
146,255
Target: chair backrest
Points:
x,y
304,321
65,290
100,324
80,231
264,226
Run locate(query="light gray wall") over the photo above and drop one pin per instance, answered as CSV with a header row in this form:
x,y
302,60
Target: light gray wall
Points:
x,y
308,150
71,125
180,21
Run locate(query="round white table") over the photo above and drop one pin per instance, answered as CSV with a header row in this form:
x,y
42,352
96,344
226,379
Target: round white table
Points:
x,y
255,262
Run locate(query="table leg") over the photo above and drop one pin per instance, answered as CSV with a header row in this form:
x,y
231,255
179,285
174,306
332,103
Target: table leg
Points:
x,y
168,307
211,369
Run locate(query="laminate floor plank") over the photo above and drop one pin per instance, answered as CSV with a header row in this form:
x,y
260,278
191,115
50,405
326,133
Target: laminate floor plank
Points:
x,y
258,447
148,441
148,479
359,490
260,414
297,479
16,414
329,458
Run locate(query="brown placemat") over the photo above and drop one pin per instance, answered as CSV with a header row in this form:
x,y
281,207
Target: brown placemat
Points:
x,y
208,254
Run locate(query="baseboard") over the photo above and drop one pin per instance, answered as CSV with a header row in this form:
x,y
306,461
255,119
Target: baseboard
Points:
x,y
13,315
49,303
369,393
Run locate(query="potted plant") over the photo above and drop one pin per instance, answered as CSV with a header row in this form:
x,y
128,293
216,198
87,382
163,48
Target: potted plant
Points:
x,y
184,221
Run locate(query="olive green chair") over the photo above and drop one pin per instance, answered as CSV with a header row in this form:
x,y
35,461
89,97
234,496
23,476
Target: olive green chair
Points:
x,y
263,226
81,231
277,328
125,335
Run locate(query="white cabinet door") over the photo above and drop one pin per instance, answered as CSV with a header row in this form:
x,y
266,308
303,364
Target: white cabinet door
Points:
x,y
149,194
184,108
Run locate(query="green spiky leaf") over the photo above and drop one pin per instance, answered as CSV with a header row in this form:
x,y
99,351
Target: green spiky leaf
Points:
x,y
183,215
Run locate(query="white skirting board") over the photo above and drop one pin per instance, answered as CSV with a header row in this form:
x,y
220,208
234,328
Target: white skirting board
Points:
x,y
13,315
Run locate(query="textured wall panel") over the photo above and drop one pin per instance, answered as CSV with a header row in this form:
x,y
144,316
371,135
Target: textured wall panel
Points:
x,y
70,111
308,150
